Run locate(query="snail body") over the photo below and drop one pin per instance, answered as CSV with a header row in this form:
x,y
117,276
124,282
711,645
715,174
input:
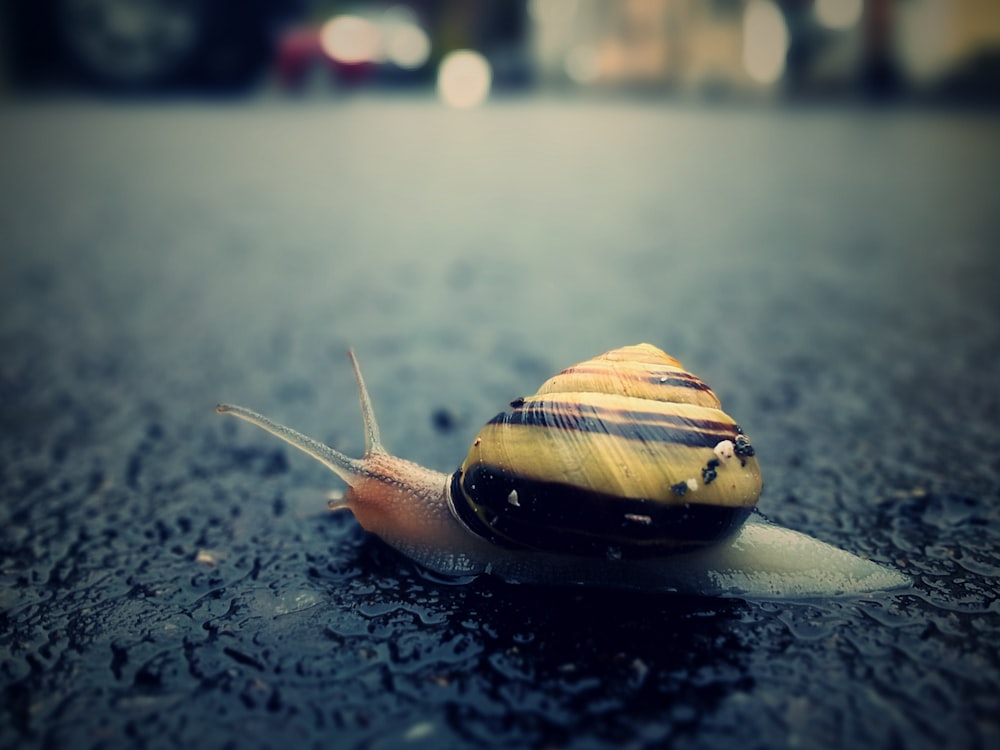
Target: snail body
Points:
x,y
622,471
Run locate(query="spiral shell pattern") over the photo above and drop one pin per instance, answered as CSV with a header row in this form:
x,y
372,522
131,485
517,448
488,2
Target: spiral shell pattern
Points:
x,y
625,455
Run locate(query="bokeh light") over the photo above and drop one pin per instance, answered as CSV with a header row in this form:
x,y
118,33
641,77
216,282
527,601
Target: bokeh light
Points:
x,y
552,12
351,40
408,47
406,43
464,79
838,14
765,41
583,64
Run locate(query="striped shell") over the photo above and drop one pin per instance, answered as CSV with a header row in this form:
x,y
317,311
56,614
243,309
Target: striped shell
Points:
x,y
625,455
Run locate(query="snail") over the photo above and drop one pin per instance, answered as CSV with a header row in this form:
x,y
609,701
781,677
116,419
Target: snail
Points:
x,y
622,471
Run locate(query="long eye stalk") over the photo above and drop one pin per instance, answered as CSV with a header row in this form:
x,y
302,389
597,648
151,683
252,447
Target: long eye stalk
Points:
x,y
348,469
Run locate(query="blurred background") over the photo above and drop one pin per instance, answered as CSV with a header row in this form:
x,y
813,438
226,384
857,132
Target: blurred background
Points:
x,y
928,50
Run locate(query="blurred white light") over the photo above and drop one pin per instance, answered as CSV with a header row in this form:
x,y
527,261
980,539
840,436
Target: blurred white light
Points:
x,y
351,40
582,64
838,14
407,45
552,12
464,79
765,41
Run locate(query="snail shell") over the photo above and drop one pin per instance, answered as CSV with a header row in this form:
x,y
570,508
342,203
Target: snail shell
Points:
x,y
626,454
622,472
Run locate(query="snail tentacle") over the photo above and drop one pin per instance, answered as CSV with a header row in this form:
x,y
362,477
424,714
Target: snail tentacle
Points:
x,y
373,442
351,470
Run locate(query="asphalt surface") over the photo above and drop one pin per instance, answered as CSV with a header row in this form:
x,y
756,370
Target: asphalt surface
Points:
x,y
170,577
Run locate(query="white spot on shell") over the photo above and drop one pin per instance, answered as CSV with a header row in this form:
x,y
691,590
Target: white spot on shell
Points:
x,y
692,484
638,518
512,499
724,449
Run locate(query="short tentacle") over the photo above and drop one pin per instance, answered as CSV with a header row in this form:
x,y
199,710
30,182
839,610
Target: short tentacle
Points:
x,y
373,443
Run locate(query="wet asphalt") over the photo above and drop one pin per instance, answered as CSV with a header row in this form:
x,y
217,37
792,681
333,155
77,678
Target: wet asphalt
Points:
x,y
169,577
